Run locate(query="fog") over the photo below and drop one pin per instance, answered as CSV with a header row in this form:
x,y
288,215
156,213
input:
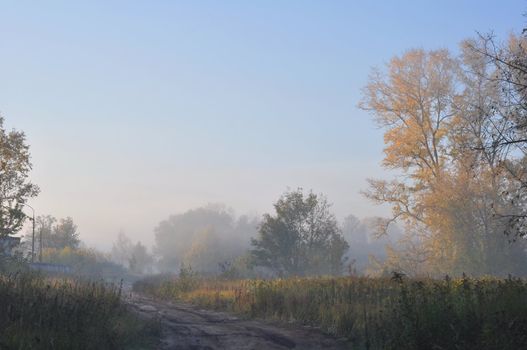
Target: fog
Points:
x,y
137,208
155,114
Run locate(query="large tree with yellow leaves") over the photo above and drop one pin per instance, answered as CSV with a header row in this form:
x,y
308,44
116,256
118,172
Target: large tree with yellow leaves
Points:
x,y
430,106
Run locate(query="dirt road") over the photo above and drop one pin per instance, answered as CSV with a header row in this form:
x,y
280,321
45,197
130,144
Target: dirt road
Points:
x,y
186,327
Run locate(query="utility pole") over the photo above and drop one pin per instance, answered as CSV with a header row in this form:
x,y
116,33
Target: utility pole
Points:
x,y
33,239
40,255
33,236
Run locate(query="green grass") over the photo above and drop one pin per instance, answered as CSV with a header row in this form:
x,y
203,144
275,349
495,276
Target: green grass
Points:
x,y
38,312
373,313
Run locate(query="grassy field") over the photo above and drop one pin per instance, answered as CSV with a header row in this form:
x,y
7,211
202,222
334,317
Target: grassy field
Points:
x,y
38,312
396,313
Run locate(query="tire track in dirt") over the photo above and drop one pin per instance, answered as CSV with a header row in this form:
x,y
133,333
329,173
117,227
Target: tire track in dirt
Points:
x,y
185,327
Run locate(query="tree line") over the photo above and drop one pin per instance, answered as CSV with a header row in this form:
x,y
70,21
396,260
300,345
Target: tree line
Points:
x,y
302,237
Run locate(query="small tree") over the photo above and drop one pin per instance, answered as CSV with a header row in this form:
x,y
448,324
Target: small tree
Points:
x,y
140,260
65,234
122,249
302,238
56,234
15,187
186,238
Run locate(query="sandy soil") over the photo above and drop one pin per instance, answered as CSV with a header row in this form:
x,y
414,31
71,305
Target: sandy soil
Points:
x,y
187,327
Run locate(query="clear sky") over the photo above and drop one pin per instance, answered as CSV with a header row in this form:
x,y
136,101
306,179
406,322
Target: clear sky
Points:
x,y
139,109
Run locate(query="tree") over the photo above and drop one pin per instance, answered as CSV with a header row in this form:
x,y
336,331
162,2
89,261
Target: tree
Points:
x,y
183,238
43,228
133,256
122,249
205,252
508,65
504,67
15,187
431,112
353,230
412,101
65,234
302,238
140,260
56,234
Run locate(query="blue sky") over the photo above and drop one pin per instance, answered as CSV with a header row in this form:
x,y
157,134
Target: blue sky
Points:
x,y
136,110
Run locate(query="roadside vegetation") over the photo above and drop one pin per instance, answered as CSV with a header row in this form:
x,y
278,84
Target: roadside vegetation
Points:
x,y
38,312
373,313
81,310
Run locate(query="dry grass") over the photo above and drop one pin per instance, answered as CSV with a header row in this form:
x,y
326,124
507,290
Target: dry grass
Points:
x,y
57,313
374,313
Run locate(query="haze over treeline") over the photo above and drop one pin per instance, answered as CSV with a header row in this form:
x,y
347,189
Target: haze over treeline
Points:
x,y
188,104
294,187
212,240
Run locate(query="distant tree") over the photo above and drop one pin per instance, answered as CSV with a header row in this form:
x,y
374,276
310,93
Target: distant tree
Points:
x,y
140,260
15,187
122,249
175,236
204,254
202,238
353,230
302,238
336,255
44,224
56,234
65,234
43,227
135,257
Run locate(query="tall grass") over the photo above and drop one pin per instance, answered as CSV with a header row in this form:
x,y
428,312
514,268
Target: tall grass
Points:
x,y
51,313
373,313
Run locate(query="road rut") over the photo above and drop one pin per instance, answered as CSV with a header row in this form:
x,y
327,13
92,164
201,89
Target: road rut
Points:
x,y
186,327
